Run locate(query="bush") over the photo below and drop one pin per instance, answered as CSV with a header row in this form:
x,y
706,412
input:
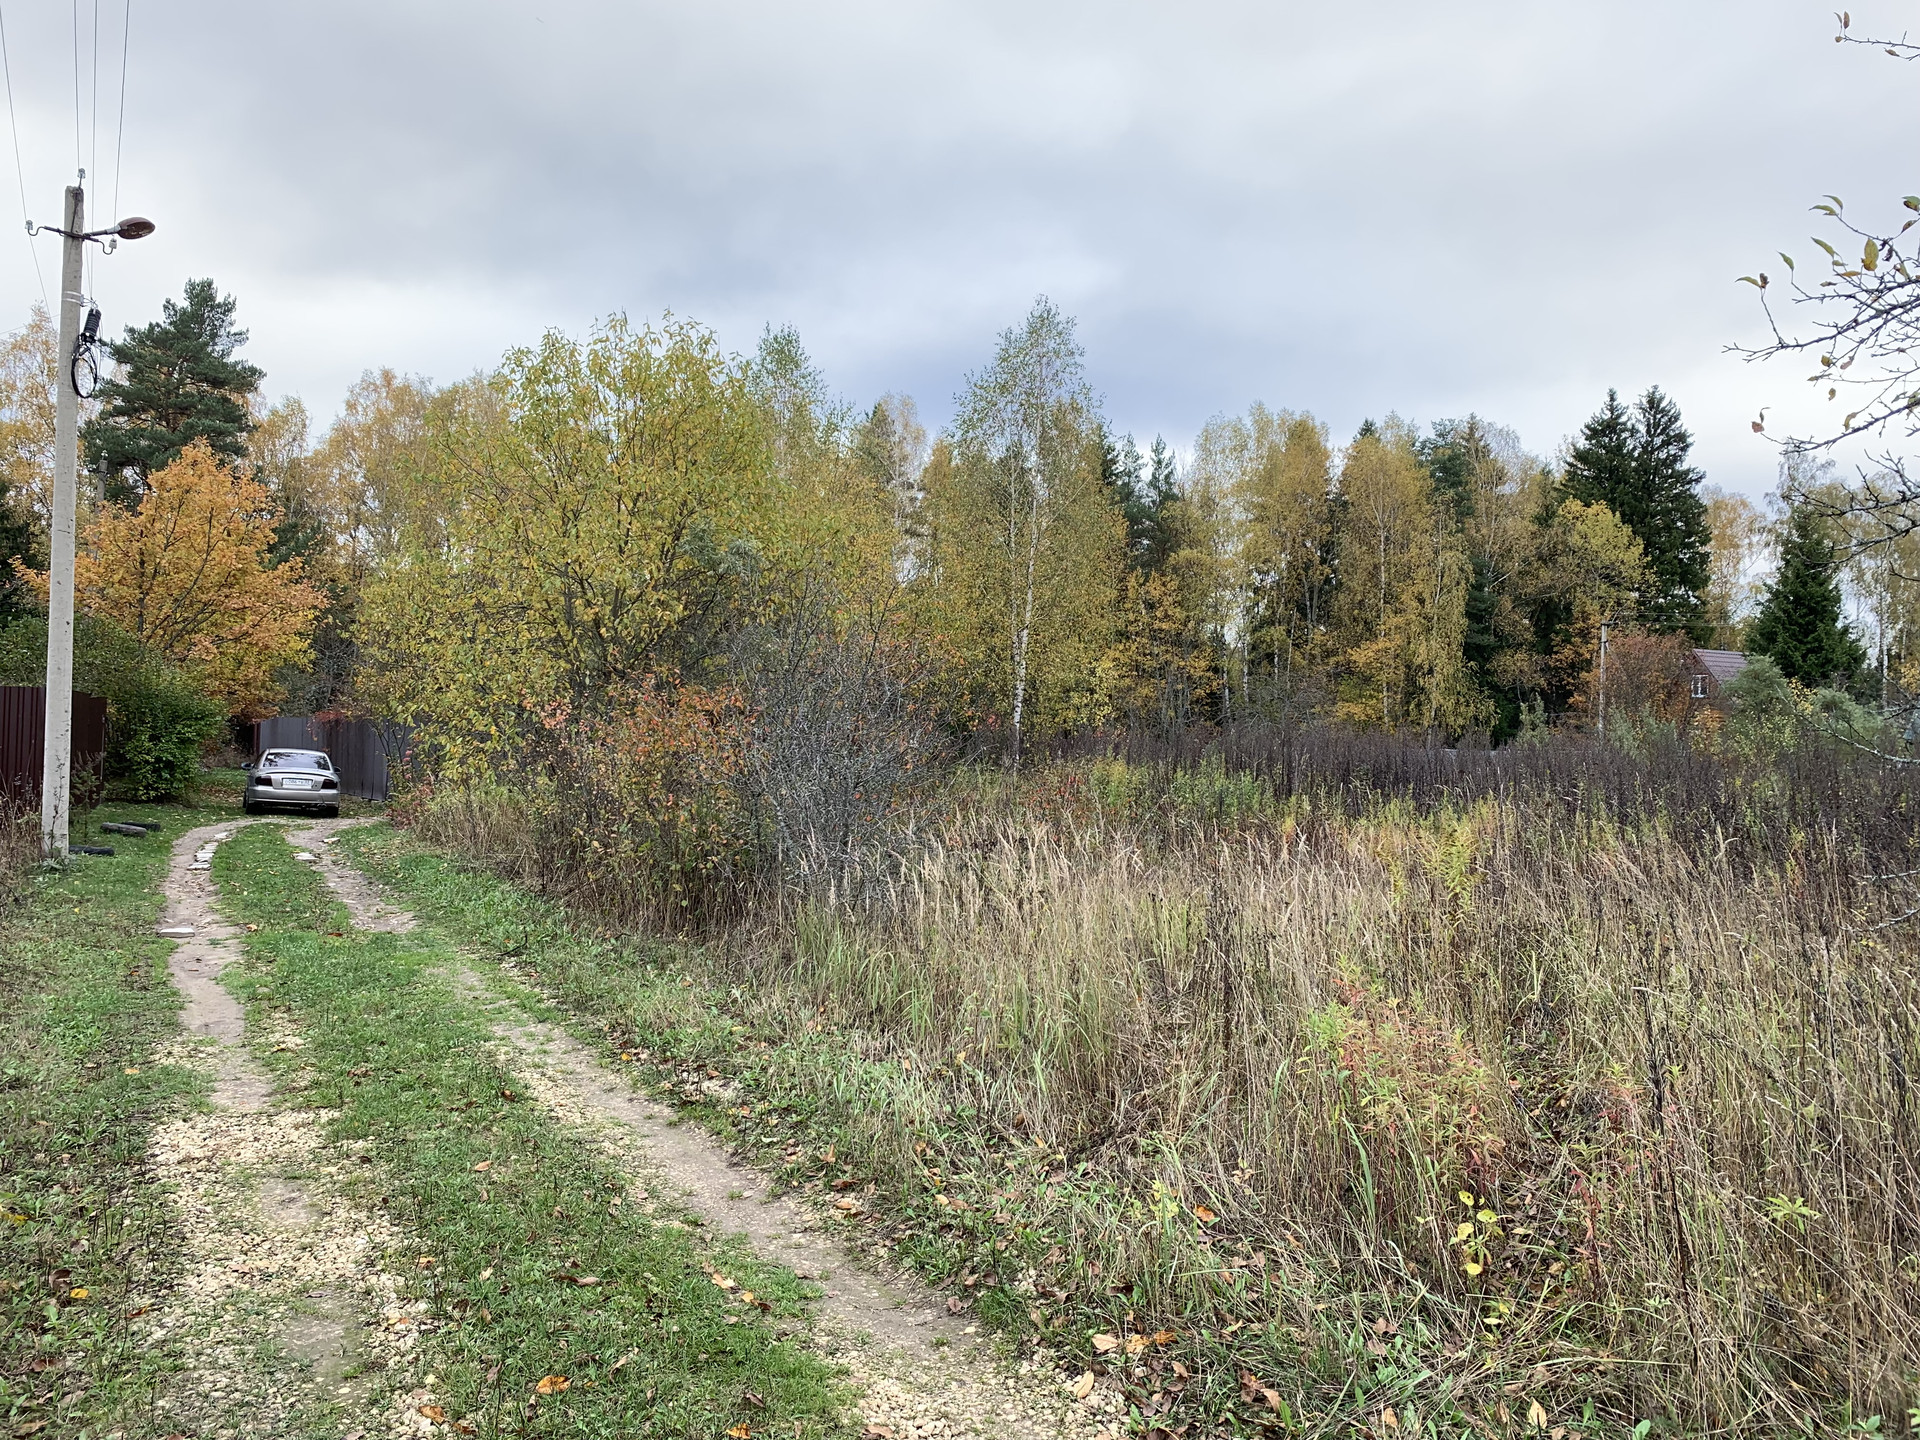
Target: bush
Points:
x,y
158,723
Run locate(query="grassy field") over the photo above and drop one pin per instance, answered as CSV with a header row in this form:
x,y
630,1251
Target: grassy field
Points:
x,y
1339,1110
84,1237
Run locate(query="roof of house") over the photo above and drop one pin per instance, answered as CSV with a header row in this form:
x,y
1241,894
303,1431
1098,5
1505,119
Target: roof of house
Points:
x,y
1722,665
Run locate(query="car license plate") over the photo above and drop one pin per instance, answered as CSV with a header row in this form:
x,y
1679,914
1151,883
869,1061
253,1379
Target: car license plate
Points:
x,y
293,784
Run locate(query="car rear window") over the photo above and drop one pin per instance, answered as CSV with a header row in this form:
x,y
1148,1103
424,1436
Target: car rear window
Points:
x,y
310,759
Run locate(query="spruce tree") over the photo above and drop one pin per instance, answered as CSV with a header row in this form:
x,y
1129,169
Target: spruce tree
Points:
x,y
1601,469
1141,501
1799,626
1634,461
178,383
1675,533
1120,465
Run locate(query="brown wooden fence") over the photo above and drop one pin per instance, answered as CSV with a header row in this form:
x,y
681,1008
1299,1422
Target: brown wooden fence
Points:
x,y
23,729
359,748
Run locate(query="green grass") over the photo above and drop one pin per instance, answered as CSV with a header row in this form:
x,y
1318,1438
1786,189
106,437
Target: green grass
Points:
x,y
655,1348
84,1237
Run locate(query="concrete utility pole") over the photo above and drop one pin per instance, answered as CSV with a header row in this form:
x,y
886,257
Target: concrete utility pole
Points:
x,y
56,767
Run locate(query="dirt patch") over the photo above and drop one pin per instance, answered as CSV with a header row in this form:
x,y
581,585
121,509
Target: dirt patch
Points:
x,y
924,1373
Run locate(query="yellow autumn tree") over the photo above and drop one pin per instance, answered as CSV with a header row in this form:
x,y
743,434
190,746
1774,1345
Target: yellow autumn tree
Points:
x,y
188,575
596,514
1401,611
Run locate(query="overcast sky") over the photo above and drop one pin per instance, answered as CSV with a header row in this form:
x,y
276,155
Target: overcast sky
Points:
x,y
1347,208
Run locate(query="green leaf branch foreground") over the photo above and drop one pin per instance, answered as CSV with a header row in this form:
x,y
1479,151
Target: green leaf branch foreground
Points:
x,y
562,1298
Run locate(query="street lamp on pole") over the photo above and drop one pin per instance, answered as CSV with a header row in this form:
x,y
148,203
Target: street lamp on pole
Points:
x,y
56,766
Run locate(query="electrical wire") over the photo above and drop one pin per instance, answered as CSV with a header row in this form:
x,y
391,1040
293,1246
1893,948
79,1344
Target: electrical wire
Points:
x,y
79,154
93,125
19,170
120,133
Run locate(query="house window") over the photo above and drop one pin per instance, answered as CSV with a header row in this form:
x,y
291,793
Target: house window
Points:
x,y
1699,687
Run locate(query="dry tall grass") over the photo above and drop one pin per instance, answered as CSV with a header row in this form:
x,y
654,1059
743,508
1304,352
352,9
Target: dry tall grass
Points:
x,y
19,846
1614,1100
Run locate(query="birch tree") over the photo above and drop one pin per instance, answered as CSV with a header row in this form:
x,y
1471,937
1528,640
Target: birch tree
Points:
x,y
1026,546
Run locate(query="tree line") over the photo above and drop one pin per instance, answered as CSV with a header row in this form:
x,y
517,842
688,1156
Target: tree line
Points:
x,y
602,515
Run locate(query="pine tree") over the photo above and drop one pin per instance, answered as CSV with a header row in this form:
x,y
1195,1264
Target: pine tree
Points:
x,y
178,383
1634,461
1799,626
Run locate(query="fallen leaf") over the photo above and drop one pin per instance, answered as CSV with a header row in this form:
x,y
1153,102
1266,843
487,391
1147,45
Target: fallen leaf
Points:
x,y
1164,1337
1389,1420
1104,1343
1536,1415
79,1292
552,1385
466,1427
487,1274
1204,1215
1083,1387
1136,1344
739,1432
435,1413
484,1165
34,1425
723,1282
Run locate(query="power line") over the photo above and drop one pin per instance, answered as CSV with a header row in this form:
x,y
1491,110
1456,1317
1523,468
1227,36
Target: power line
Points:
x,y
93,124
79,154
120,134
93,97
19,170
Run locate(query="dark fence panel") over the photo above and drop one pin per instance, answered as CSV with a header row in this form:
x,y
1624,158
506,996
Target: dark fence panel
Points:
x,y
23,729
358,748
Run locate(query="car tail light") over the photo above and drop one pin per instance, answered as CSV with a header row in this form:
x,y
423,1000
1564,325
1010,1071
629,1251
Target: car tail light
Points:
x,y
329,784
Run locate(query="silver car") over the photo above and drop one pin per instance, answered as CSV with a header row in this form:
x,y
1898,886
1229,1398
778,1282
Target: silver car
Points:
x,y
304,779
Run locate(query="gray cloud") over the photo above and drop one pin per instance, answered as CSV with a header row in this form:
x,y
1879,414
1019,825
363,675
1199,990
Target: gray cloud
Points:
x,y
1349,209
